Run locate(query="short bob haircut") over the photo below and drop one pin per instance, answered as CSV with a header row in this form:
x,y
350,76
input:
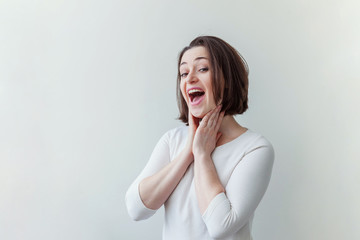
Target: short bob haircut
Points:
x,y
229,68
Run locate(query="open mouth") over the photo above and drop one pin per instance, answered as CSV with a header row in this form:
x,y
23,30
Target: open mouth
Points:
x,y
196,95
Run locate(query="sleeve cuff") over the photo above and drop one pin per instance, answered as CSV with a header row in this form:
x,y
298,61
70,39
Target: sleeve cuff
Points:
x,y
136,208
219,200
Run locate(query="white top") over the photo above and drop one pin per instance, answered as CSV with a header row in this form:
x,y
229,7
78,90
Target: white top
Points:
x,y
244,167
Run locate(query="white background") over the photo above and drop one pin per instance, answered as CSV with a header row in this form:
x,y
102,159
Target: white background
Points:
x,y
88,87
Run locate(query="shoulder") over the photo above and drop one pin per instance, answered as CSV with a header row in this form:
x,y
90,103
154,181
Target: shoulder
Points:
x,y
258,141
176,135
175,139
180,130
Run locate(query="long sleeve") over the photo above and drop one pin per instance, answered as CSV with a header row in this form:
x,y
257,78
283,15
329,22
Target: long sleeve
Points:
x,y
160,157
228,212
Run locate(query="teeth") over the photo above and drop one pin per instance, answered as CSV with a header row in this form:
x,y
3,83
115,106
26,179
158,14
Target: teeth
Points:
x,y
194,90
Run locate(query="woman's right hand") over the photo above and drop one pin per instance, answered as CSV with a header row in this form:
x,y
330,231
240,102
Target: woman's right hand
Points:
x,y
193,125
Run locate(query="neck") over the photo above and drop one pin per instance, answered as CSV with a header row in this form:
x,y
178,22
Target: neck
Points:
x,y
230,130
228,124
229,127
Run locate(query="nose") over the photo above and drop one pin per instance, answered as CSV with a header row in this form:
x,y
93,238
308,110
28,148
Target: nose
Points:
x,y
191,78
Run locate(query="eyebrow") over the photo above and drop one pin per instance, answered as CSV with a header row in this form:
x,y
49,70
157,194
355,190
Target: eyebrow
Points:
x,y
196,59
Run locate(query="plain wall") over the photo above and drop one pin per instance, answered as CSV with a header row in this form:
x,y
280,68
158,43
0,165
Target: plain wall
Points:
x,y
87,88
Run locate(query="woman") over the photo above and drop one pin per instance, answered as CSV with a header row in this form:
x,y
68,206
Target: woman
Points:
x,y
212,173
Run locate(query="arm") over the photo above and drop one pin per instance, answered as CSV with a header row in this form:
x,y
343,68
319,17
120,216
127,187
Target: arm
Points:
x,y
207,182
158,179
156,189
224,214
227,213
160,157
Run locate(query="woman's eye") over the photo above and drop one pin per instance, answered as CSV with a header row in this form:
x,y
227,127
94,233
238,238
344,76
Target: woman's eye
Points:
x,y
203,69
182,75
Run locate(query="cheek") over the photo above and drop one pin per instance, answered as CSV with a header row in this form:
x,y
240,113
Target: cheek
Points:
x,y
182,88
182,93
211,94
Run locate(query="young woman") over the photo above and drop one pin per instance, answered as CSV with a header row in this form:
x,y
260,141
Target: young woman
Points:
x,y
211,173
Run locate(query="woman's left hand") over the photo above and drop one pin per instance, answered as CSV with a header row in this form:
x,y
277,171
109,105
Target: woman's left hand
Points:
x,y
207,134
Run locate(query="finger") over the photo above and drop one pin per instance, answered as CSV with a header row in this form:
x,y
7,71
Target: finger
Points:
x,y
219,121
193,121
190,119
218,135
214,117
205,120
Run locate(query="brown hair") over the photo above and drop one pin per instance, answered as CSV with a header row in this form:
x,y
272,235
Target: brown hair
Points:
x,y
228,67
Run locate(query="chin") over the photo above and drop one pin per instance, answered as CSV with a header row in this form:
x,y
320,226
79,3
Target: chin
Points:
x,y
198,114
201,111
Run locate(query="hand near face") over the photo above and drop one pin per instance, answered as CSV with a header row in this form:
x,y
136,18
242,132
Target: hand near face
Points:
x,y
193,125
207,133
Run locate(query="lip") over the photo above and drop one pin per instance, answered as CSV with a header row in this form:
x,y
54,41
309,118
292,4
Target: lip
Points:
x,y
194,88
199,100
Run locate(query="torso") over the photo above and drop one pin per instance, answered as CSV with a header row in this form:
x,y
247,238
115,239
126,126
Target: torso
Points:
x,y
183,219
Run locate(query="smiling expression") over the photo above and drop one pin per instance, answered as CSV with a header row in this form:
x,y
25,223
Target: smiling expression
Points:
x,y
196,81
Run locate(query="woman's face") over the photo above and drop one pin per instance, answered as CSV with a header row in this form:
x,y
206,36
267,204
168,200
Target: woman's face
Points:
x,y
196,81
